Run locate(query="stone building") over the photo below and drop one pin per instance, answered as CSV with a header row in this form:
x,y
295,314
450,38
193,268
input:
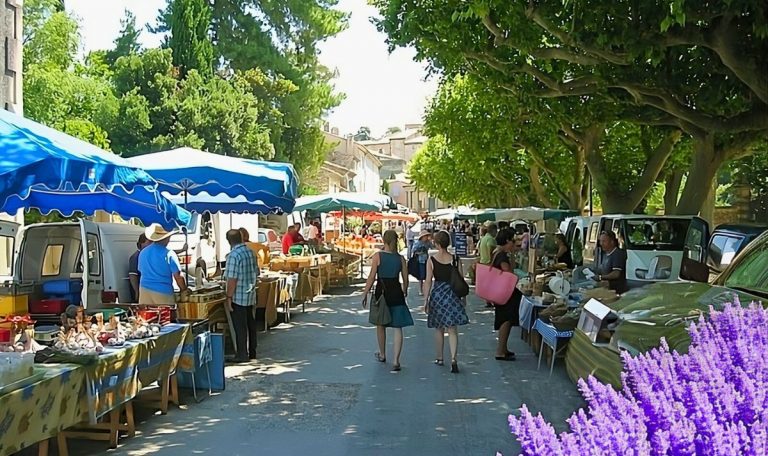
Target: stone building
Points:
x,y
348,167
10,55
395,151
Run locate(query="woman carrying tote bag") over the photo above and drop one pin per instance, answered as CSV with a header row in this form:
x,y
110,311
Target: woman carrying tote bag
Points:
x,y
389,267
507,315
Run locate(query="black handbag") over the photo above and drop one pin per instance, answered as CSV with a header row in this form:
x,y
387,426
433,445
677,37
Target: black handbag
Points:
x,y
458,284
413,267
379,314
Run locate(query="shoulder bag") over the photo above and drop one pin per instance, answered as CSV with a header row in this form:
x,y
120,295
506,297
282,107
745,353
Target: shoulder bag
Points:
x,y
379,314
493,284
458,284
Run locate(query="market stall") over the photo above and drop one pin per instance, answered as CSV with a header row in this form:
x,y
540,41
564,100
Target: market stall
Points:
x,y
84,393
342,203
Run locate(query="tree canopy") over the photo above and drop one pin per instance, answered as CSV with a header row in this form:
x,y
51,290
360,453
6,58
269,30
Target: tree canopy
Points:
x,y
695,67
207,87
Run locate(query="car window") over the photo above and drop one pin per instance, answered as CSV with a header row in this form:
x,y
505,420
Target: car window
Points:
x,y
52,260
262,238
751,272
593,233
724,249
655,234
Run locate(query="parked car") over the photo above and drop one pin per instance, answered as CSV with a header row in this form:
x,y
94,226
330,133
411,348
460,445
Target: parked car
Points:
x,y
727,241
664,310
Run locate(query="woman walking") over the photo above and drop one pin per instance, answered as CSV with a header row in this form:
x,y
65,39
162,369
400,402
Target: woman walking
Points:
x,y
445,311
420,257
387,267
508,315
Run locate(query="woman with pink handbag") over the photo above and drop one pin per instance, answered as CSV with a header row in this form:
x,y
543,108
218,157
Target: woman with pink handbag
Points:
x,y
507,313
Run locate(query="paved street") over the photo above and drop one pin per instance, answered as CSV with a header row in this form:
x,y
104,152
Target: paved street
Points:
x,y
318,390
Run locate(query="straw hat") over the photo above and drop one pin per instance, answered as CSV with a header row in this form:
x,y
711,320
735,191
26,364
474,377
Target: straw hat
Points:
x,y
424,233
155,232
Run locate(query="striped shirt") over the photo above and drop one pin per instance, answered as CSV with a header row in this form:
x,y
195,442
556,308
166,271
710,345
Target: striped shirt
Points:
x,y
241,265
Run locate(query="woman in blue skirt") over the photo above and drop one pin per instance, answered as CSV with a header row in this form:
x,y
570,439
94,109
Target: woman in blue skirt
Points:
x,y
387,268
445,311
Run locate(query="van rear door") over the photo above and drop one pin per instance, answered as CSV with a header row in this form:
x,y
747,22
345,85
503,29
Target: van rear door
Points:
x,y
8,232
92,264
694,266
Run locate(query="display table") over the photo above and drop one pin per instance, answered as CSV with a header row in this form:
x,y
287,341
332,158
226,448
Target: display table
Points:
x,y
39,411
115,379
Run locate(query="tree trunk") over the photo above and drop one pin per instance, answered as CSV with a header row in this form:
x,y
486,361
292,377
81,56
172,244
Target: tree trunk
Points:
x,y
612,201
704,165
672,185
537,186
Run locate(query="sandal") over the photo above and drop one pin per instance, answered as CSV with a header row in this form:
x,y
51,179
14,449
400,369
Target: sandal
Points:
x,y
439,362
378,357
395,368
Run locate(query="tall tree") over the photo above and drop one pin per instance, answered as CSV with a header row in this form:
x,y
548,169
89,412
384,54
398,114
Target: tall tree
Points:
x,y
696,67
127,42
279,38
189,24
58,91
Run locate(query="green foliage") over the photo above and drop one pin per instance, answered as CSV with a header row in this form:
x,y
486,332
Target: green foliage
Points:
x,y
127,42
189,24
57,91
279,39
698,67
264,101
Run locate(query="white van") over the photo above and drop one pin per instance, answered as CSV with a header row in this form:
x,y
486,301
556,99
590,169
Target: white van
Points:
x,y
584,230
659,248
207,238
48,253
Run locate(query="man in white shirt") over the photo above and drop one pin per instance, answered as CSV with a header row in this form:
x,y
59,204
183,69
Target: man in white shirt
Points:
x,y
313,233
410,236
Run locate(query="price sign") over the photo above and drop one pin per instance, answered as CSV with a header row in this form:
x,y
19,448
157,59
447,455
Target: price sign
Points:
x,y
460,244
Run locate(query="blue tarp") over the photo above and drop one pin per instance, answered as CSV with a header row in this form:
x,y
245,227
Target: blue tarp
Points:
x,y
194,171
46,169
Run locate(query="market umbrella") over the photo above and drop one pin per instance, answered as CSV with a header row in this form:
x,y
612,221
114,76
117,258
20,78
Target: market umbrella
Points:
x,y
49,170
190,171
203,202
341,201
146,205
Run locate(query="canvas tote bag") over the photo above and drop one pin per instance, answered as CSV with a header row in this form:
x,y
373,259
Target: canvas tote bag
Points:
x,y
494,285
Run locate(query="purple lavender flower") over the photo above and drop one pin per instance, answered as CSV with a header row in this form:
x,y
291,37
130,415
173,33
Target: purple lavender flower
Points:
x,y
712,400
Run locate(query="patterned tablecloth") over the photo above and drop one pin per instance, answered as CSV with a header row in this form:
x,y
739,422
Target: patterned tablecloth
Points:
x,y
121,372
40,410
70,394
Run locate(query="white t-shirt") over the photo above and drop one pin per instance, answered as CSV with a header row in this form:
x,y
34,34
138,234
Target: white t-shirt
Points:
x,y
313,232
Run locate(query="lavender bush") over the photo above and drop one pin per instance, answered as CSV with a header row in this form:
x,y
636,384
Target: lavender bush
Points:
x,y
711,401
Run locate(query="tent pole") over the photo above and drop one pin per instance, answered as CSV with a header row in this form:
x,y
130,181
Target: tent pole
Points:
x,y
186,246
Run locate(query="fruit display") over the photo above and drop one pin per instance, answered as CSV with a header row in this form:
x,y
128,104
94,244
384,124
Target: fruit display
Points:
x,y
115,332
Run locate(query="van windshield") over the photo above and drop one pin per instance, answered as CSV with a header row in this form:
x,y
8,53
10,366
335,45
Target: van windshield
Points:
x,y
751,271
655,233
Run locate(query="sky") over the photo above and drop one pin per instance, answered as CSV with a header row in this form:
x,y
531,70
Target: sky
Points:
x,y
382,90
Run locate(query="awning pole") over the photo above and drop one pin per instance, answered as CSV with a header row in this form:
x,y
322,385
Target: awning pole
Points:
x,y
186,246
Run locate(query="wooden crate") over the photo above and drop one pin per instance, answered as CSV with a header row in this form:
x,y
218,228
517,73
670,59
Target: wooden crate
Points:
x,y
199,310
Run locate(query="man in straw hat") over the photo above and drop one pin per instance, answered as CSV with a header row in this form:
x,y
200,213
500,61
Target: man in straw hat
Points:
x,y
159,267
